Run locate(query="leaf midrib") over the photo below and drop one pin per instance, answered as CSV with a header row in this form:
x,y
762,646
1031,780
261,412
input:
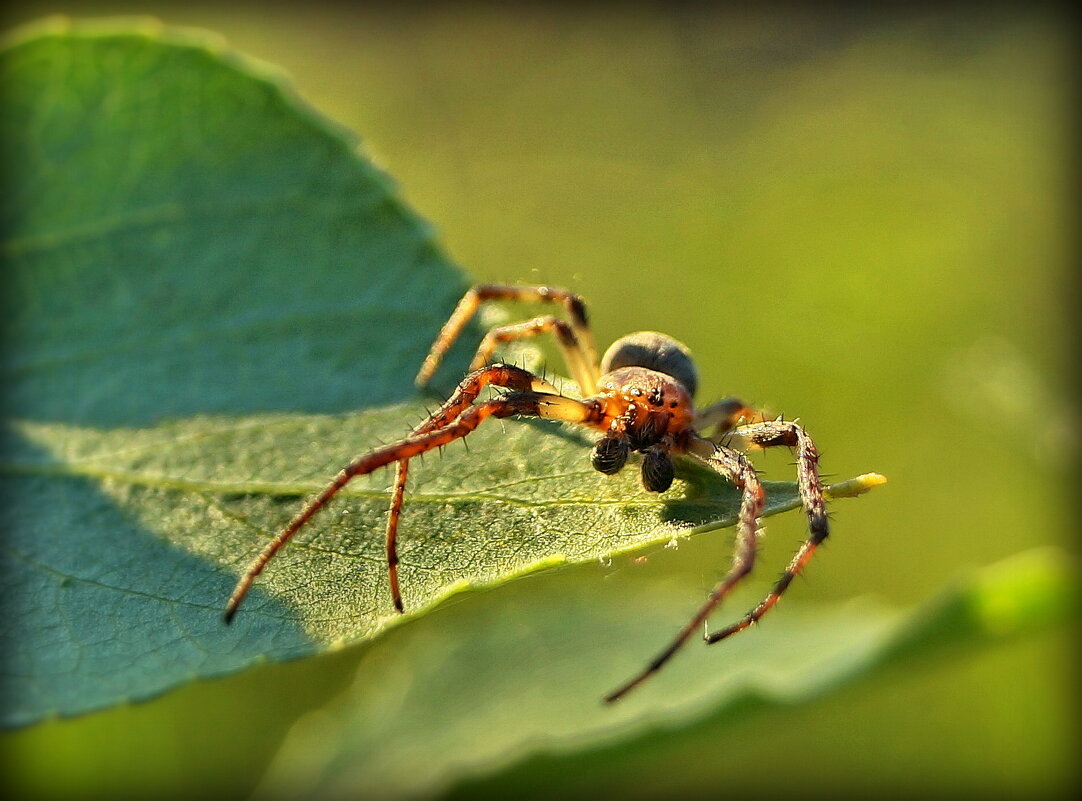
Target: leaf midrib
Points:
x,y
304,489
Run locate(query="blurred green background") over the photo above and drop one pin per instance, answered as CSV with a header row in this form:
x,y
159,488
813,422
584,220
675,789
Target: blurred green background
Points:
x,y
864,219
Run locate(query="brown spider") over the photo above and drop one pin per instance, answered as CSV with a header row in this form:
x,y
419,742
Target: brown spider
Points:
x,y
639,397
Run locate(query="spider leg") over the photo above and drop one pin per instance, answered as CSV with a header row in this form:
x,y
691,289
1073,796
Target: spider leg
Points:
x,y
466,418
723,416
771,434
464,395
474,297
574,355
735,466
398,494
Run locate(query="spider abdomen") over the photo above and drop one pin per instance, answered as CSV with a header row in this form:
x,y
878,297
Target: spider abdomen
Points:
x,y
654,351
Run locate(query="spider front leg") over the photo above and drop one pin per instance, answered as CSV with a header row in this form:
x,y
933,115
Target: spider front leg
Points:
x,y
454,420
735,467
771,434
723,416
580,344
464,395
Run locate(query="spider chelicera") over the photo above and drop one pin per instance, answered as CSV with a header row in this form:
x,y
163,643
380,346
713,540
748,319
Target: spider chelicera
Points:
x,y
639,396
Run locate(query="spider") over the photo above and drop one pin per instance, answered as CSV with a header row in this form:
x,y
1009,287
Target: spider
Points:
x,y
639,396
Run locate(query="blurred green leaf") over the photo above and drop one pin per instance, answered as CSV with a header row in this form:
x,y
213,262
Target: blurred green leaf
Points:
x,y
188,241
184,236
524,680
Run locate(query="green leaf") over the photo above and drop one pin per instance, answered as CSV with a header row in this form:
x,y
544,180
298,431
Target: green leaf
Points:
x,y
184,235
484,692
203,276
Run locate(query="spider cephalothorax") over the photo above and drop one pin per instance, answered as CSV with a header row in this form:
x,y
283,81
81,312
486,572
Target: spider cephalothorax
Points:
x,y
638,396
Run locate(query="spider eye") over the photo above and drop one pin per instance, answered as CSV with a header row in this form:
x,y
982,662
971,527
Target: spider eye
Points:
x,y
657,470
610,455
653,351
